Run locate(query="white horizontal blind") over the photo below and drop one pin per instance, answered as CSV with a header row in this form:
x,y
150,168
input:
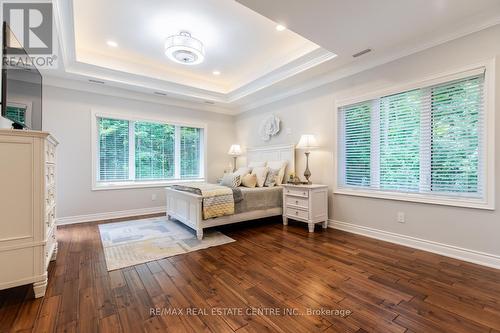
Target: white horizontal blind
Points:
x,y
146,151
426,140
190,152
356,144
154,151
457,122
400,142
113,149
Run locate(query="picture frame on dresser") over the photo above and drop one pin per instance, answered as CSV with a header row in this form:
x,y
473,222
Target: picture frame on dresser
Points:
x,y
27,207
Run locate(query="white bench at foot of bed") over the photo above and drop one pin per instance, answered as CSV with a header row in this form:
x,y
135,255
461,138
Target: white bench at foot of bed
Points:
x,y
187,208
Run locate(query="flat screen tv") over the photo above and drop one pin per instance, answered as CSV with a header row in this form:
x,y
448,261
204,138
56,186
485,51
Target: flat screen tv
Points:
x,y
21,85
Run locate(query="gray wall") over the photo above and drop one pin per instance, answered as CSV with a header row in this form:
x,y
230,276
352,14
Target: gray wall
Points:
x,y
312,112
67,115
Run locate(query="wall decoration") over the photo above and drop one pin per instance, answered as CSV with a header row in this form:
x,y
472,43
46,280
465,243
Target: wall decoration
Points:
x,y
269,127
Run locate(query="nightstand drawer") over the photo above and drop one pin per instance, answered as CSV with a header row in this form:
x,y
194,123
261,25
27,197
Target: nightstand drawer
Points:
x,y
297,213
297,192
297,201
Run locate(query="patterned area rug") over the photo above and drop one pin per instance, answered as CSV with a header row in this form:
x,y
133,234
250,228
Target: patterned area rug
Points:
x,y
135,242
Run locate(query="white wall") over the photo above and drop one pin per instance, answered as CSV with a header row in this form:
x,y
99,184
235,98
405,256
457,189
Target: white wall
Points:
x,y
67,115
312,112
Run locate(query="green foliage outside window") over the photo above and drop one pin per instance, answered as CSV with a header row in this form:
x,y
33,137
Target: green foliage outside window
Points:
x,y
153,150
400,141
455,144
113,149
357,145
190,152
423,140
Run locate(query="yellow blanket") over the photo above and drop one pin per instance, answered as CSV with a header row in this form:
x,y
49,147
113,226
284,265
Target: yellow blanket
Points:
x,y
217,200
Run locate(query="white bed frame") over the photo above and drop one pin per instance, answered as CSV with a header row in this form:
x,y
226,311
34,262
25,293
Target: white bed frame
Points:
x,y
187,207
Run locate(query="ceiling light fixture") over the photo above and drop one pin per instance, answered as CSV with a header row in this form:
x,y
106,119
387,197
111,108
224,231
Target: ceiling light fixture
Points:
x,y
216,73
111,43
280,27
184,49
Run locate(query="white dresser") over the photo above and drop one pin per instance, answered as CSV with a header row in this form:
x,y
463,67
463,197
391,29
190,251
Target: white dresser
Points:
x,y
27,208
306,203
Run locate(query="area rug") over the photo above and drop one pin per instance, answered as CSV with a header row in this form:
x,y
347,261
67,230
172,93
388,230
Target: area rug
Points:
x,y
135,242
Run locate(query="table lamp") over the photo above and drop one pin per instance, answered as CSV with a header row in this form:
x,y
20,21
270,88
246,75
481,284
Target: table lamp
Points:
x,y
234,151
307,142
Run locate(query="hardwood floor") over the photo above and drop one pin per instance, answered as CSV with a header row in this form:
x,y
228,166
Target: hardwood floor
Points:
x,y
250,283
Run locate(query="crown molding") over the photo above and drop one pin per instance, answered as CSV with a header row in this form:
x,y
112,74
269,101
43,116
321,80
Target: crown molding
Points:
x,y
295,67
355,68
229,102
64,21
76,83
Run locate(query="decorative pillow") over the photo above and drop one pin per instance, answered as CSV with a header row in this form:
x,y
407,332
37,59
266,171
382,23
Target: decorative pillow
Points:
x,y
249,180
243,171
272,178
252,165
231,180
281,165
261,174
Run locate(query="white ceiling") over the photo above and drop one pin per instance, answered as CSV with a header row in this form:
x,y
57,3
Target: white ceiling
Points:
x,y
239,43
351,26
258,64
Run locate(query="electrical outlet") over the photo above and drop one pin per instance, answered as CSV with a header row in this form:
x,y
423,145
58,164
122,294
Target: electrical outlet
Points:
x,y
401,217
153,197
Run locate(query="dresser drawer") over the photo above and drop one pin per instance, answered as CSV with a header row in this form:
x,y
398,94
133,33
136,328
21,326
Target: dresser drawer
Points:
x,y
294,213
297,201
297,192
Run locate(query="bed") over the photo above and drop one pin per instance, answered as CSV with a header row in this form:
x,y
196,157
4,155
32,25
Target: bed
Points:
x,y
257,203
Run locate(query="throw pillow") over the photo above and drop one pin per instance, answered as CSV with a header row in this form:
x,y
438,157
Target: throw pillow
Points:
x,y
281,165
249,180
272,178
231,180
243,171
261,174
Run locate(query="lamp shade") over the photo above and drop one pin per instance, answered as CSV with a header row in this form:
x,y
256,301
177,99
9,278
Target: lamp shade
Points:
x,y
307,141
235,150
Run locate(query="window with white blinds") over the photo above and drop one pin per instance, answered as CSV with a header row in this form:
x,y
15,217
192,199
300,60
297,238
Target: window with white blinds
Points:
x,y
142,151
154,151
426,141
190,151
113,149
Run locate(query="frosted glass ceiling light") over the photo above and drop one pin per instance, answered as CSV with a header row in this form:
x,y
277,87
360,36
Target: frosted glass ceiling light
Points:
x,y
184,49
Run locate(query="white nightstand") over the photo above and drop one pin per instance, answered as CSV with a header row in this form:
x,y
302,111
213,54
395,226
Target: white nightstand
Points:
x,y
305,203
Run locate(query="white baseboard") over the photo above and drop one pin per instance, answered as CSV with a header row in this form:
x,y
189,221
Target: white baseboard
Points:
x,y
108,215
452,251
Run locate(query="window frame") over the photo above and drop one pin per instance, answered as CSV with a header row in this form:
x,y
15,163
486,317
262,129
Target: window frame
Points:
x,y
128,184
488,141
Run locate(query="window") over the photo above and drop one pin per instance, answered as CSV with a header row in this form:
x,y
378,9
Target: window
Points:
x,y
113,149
154,151
137,153
427,142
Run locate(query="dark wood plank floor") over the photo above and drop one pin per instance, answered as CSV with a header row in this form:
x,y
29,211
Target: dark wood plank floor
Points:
x,y
267,280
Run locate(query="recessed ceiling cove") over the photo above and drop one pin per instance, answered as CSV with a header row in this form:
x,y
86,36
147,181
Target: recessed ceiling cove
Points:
x,y
156,40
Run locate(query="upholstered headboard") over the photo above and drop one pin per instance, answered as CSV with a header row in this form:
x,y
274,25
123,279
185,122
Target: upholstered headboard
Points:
x,y
273,153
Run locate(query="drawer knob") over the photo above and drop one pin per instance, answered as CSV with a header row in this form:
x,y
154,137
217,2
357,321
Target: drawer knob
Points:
x,y
296,202
304,193
296,213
